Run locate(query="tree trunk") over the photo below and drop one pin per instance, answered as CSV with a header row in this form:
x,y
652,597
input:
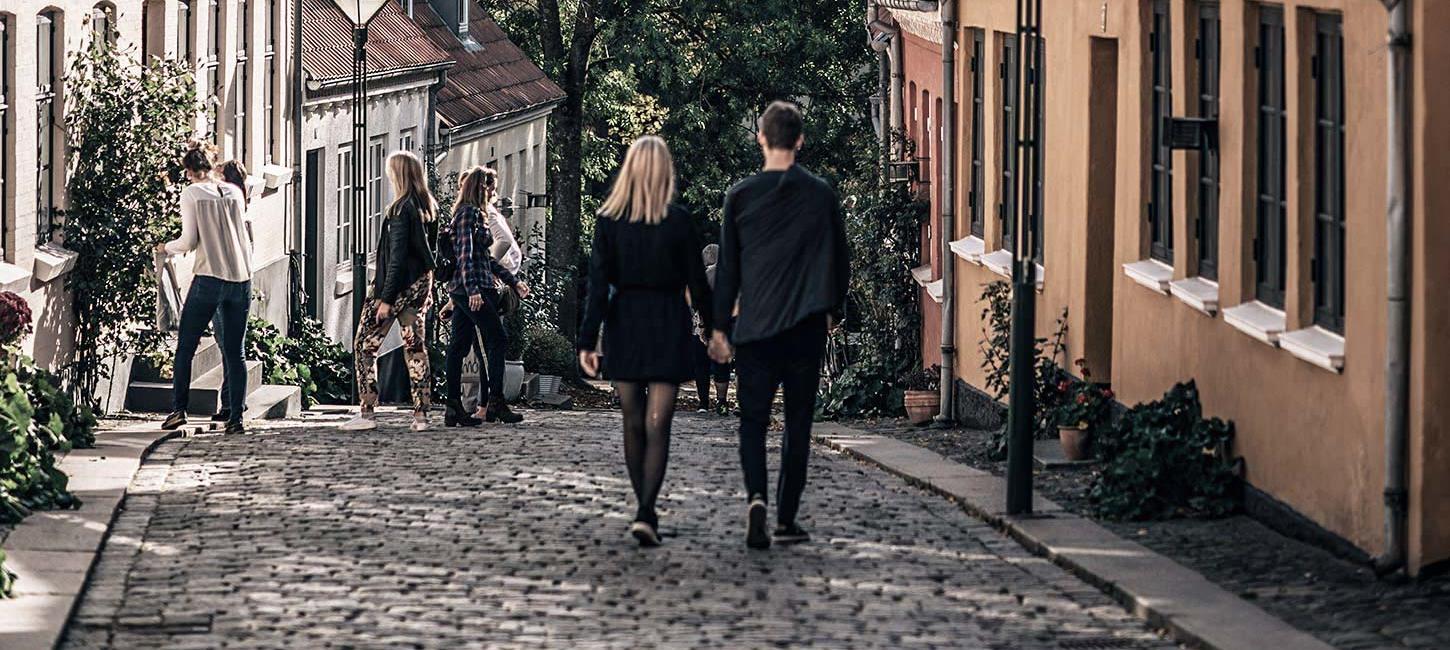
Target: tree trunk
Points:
x,y
562,234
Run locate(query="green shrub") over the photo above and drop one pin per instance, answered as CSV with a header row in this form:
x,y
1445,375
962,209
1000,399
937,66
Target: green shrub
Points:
x,y
1163,459
29,479
311,361
996,345
54,408
548,352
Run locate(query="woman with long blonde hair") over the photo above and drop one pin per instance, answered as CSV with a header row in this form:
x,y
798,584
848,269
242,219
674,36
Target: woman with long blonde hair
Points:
x,y
402,291
647,250
473,291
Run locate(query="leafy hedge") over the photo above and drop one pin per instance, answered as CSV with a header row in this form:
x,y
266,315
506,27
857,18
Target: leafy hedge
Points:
x,y
1163,459
311,360
880,342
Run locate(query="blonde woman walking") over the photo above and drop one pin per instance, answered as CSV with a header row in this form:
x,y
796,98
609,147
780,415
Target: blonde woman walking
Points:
x,y
648,252
402,291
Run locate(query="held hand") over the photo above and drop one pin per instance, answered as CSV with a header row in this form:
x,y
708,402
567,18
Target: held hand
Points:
x,y
523,289
160,249
447,310
720,349
475,302
385,311
589,362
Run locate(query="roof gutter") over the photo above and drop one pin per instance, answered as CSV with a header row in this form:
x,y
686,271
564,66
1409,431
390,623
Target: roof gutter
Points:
x,y
316,84
1397,338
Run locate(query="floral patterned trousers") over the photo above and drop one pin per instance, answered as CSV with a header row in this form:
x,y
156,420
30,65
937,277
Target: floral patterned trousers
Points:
x,y
410,310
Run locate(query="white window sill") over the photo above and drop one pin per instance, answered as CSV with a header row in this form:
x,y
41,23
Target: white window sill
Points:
x,y
343,285
1258,320
934,289
970,249
1198,293
13,278
52,262
1150,273
276,175
1316,345
1000,262
922,274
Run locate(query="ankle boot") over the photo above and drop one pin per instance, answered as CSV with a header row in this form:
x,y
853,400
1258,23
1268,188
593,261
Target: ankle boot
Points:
x,y
454,415
498,411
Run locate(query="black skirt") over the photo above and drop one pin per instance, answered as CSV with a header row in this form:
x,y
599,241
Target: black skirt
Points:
x,y
649,336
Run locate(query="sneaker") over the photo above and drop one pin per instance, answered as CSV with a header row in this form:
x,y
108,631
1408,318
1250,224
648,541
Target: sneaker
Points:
x,y
645,533
222,415
360,423
235,429
174,421
790,534
420,422
755,535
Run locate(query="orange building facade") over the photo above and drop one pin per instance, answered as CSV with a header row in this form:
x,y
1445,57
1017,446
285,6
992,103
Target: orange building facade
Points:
x,y
1253,262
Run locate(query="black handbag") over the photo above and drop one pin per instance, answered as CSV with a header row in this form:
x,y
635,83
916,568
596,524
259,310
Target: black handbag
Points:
x,y
508,301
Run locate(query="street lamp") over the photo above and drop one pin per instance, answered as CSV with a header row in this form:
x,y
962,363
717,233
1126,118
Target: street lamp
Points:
x,y
360,12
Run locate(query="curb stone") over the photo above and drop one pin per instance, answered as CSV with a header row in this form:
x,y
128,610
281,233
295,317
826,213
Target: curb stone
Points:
x,y
52,552
1166,594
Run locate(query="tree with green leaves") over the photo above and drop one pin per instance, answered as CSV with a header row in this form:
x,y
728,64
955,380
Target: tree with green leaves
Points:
x,y
127,125
697,73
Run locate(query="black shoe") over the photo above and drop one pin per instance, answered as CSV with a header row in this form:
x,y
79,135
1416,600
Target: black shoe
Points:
x,y
174,421
755,535
498,411
235,428
222,415
790,534
454,415
645,533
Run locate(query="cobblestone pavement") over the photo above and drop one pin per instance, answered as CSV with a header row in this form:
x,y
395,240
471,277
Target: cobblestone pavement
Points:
x,y
1340,602
305,537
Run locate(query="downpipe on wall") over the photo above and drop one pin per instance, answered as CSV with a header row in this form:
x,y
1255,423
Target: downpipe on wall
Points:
x,y
948,213
1397,338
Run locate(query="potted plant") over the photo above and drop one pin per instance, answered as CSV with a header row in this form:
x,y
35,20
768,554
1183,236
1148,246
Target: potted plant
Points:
x,y
922,397
1084,407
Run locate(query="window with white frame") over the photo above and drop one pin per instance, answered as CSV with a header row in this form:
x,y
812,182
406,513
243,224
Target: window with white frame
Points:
x,y
377,194
344,206
212,70
269,88
103,21
241,93
408,139
6,59
1328,266
185,33
1272,194
463,16
47,84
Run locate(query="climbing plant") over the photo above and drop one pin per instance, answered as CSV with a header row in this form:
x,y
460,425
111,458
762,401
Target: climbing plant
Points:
x,y
126,126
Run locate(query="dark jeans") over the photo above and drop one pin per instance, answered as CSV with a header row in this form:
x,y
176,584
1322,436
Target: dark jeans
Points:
x,y
790,360
466,324
229,301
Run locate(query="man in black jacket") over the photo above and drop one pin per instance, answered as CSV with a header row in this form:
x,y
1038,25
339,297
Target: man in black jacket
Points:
x,y
784,267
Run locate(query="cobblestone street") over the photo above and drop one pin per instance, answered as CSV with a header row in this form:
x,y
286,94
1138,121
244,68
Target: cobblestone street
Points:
x,y
305,537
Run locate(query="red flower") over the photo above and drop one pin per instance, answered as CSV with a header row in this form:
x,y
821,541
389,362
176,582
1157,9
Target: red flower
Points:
x,y
1062,386
1082,398
14,318
1107,393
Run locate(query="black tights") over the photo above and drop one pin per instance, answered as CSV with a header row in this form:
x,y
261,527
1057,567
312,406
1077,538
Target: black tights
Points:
x,y
648,411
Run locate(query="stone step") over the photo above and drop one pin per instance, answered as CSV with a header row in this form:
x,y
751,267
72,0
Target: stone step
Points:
x,y
208,357
155,396
274,402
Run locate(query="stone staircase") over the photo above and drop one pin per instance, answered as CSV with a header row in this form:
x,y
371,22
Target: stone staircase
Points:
x,y
148,392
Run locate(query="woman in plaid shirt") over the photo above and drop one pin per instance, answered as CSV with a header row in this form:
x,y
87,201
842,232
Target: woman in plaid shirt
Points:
x,y
475,298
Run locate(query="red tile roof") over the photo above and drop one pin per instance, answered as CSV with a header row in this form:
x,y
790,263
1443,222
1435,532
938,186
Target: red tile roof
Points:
x,y
394,42
490,79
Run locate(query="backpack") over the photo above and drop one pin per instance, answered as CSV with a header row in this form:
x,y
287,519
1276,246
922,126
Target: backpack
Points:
x,y
445,260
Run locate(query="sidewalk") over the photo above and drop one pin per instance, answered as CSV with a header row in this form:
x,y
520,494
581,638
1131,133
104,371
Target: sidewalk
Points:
x,y
1168,595
52,552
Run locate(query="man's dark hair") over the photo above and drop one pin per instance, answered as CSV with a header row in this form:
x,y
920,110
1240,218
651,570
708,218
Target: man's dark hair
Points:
x,y
782,125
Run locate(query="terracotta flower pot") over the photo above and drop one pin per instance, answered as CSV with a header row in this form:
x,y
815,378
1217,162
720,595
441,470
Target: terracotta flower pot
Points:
x,y
921,405
1074,442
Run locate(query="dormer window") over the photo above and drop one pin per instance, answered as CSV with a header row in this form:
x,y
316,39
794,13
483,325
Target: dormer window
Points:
x,y
462,16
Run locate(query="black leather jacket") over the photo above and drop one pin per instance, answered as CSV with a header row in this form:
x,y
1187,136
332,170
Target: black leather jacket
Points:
x,y
403,253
